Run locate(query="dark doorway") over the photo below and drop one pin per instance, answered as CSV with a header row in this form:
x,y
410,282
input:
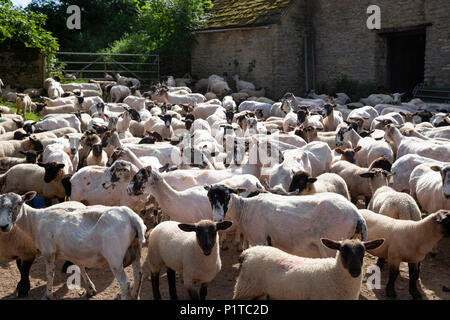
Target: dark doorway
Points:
x,y
405,60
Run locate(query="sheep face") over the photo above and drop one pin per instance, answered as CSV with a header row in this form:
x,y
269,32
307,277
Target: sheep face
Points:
x,y
229,116
11,208
341,136
351,252
348,154
378,177
31,156
97,150
300,182
206,233
74,145
328,109
443,218
143,179
52,170
445,173
119,171
167,118
219,197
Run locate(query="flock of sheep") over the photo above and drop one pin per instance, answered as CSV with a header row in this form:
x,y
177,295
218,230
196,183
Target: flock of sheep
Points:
x,y
281,178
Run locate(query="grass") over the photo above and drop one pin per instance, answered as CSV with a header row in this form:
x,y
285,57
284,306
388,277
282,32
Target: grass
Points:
x,y
30,115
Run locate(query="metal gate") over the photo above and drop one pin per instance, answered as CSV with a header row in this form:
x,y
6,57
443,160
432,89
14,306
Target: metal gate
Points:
x,y
86,65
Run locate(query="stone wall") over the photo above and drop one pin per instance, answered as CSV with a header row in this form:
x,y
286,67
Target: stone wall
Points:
x,y
21,67
344,45
248,53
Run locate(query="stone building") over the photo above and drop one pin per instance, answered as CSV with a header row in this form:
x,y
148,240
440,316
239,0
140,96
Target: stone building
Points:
x,y
21,67
295,45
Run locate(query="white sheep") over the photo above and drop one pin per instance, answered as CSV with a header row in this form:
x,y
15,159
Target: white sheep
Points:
x,y
430,185
267,271
23,104
56,234
303,184
189,249
241,84
408,241
387,201
97,156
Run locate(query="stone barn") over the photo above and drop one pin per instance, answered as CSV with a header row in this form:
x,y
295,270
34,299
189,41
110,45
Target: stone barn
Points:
x,y
296,45
21,67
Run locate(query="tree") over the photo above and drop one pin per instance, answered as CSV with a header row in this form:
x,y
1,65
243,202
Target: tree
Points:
x,y
102,21
25,28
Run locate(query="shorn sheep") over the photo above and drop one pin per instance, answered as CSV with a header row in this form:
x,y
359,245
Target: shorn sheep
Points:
x,y
110,236
189,249
268,271
407,241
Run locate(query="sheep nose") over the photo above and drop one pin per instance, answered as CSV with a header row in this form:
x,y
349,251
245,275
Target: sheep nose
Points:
x,y
4,228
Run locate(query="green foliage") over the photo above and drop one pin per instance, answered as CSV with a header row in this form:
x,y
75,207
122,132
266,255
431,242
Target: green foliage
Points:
x,y
102,21
25,28
29,115
164,27
354,89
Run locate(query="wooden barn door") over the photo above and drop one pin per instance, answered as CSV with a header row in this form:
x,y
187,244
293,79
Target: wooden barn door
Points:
x,y
405,60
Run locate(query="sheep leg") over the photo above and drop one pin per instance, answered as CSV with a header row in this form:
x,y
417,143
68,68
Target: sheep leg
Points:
x,y
413,277
90,290
137,275
172,284
380,263
66,265
393,274
189,285
203,291
121,277
50,271
155,285
23,287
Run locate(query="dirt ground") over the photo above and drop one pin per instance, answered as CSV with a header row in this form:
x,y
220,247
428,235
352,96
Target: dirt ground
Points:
x,y
435,273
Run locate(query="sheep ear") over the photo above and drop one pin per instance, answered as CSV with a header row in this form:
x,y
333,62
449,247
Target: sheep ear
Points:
x,y
335,245
366,175
187,227
436,168
339,150
358,148
312,180
223,225
29,196
207,187
40,164
370,245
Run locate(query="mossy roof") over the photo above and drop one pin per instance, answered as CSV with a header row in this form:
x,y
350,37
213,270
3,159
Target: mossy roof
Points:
x,y
244,13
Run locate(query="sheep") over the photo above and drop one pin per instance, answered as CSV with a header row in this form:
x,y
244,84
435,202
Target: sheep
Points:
x,y
356,184
268,271
52,122
430,185
347,154
366,113
195,255
387,201
254,93
161,124
56,235
126,81
94,185
12,148
11,124
241,84
69,108
19,246
228,103
407,145
277,216
23,104
175,98
218,86
375,99
97,157
118,93
303,184
8,162
47,179
371,149
6,110
407,241
53,87
332,118
402,168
